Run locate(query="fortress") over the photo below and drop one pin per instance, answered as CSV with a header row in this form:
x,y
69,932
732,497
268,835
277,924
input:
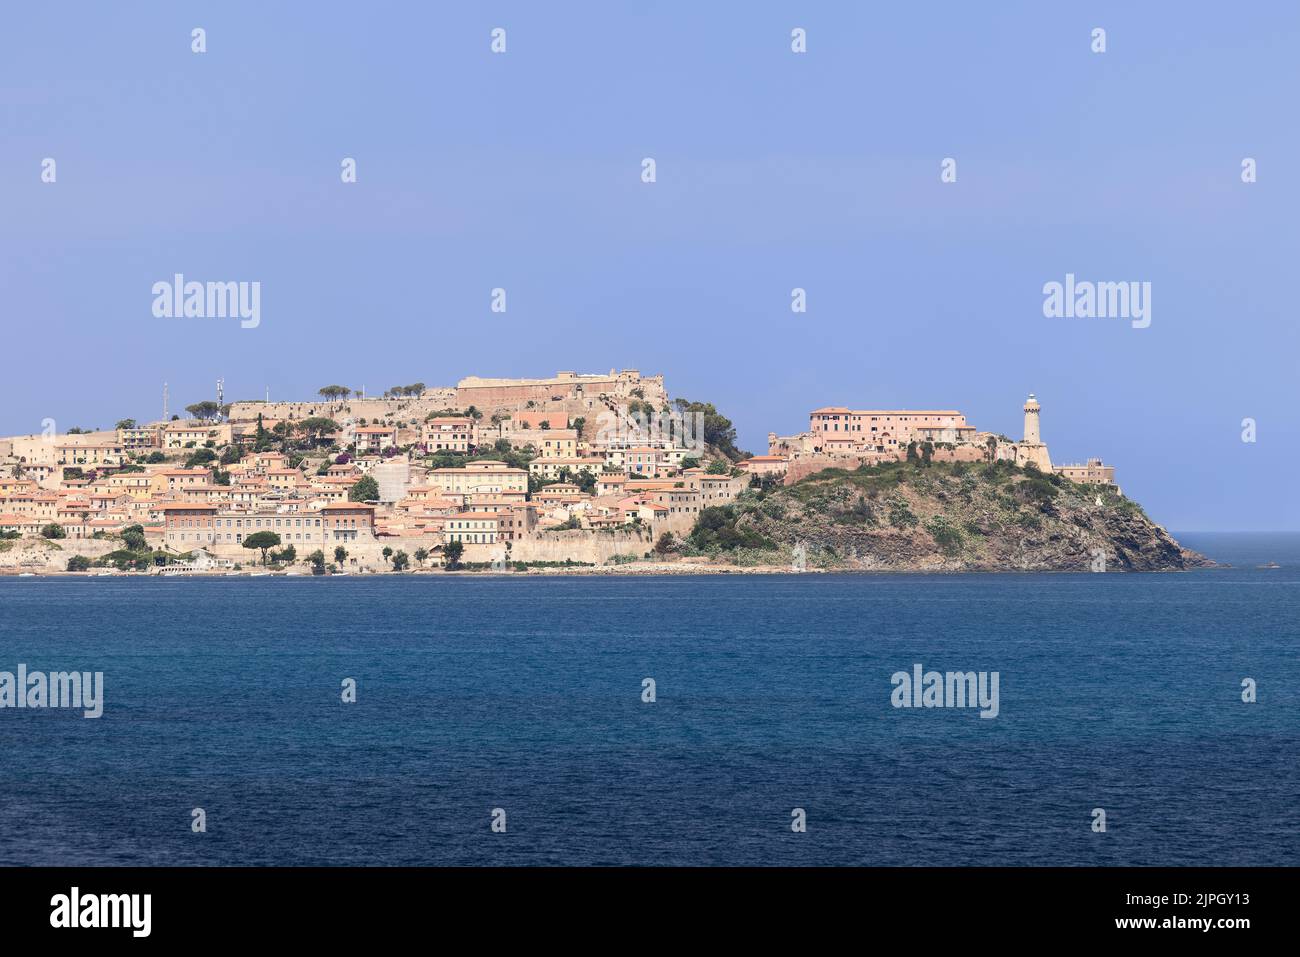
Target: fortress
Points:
x,y
571,394
838,436
490,395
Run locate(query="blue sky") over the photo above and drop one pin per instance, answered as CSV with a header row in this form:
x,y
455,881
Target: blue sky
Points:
x,y
775,170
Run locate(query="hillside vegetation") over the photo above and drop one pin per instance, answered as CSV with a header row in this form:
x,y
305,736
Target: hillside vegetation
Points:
x,y
912,516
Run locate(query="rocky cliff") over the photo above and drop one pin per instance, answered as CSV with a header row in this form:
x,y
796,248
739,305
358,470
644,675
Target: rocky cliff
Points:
x,y
909,516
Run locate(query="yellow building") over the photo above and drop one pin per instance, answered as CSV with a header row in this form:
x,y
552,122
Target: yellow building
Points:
x,y
484,476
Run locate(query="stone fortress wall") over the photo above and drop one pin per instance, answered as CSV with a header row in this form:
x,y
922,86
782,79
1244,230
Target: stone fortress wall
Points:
x,y
566,395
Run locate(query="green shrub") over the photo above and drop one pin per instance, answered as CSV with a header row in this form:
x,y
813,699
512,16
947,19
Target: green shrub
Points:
x,y
946,536
900,514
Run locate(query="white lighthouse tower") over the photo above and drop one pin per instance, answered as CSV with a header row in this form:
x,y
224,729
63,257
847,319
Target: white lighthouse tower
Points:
x,y
1031,450
1032,434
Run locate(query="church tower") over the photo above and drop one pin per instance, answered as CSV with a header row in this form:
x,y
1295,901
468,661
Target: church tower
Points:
x,y
1032,435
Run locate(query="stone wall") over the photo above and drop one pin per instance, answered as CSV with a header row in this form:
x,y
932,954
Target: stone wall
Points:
x,y
355,409
579,545
801,468
493,395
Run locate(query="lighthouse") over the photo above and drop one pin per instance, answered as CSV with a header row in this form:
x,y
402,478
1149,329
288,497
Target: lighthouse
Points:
x,y
1032,434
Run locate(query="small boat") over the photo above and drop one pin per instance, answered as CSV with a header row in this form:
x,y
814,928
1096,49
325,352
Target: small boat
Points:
x,y
258,574
27,575
1269,565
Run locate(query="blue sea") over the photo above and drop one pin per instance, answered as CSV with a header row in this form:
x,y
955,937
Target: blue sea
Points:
x,y
1117,691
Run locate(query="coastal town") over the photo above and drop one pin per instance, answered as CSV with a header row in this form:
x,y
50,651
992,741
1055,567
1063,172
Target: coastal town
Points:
x,y
572,470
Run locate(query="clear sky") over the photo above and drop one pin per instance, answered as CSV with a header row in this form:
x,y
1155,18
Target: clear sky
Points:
x,y
775,170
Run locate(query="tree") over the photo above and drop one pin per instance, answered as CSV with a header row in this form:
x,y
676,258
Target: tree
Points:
x,y
388,553
317,562
284,431
200,457
78,563
665,544
452,553
263,540
718,467
125,424
133,538
365,490
207,409
289,555
316,426
400,561
53,530
340,554
718,429
261,438
421,555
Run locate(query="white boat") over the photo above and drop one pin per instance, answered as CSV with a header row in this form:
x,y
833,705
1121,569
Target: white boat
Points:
x,y
27,575
258,574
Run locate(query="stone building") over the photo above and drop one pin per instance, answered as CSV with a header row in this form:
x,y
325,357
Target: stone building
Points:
x,y
492,395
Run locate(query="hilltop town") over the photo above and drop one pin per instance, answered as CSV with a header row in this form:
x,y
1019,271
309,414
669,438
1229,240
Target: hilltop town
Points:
x,y
572,471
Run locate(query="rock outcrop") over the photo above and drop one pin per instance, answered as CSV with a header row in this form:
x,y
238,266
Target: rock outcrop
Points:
x,y
944,517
